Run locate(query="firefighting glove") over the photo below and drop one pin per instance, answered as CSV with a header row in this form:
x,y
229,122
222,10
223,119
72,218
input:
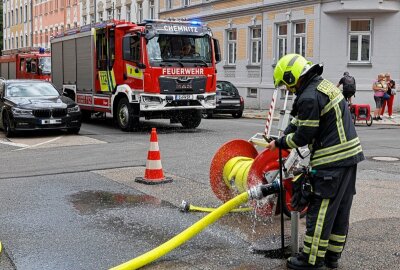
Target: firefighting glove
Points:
x,y
302,192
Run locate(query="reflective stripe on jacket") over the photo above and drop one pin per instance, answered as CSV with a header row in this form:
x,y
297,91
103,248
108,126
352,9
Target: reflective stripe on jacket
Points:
x,y
324,122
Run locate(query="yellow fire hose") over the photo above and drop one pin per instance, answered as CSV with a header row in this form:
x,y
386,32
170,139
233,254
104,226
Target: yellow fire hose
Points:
x,y
235,174
187,207
236,171
184,236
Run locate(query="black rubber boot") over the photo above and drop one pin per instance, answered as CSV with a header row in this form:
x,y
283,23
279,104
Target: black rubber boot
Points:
x,y
331,263
300,263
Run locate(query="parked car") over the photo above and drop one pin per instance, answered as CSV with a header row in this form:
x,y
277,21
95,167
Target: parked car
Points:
x,y
228,101
33,105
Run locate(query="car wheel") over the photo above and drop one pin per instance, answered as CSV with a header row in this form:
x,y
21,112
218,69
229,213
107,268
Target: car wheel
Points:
x,y
125,119
7,127
207,115
73,130
237,114
86,115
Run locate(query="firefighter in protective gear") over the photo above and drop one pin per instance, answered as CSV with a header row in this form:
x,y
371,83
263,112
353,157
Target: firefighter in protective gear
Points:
x,y
321,120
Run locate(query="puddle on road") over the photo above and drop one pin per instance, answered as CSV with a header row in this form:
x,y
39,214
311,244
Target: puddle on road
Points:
x,y
89,202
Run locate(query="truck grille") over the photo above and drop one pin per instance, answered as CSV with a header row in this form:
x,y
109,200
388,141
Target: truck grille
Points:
x,y
46,113
176,85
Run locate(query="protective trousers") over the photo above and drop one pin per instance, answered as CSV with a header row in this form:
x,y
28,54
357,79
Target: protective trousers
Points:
x,y
328,215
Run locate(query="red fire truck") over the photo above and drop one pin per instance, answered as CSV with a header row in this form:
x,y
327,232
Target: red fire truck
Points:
x,y
26,63
158,69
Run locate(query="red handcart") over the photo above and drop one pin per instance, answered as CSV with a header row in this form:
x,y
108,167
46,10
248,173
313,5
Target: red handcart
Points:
x,y
361,112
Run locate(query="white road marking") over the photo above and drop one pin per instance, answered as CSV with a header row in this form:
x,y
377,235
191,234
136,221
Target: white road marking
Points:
x,y
32,146
14,144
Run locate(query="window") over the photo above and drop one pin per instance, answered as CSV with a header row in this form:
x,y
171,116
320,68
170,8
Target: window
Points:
x,y
186,3
255,38
12,17
252,92
26,13
151,9
21,64
84,19
22,41
281,43
21,16
118,13
16,16
131,48
109,14
128,13
360,40
16,42
26,40
300,38
232,47
140,12
169,4
92,18
101,16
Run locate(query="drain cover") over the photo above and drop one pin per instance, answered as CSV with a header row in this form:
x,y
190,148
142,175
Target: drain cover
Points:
x,y
385,158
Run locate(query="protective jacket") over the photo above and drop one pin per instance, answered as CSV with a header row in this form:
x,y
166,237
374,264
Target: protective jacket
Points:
x,y
323,121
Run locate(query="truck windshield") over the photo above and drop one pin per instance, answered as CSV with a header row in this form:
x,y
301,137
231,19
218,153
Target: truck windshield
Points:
x,y
45,65
183,49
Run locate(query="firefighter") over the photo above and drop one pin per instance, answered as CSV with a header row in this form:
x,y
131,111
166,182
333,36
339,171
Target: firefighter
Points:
x,y
321,120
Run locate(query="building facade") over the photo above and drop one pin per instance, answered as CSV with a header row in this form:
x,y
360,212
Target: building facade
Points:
x,y
34,22
17,24
129,10
51,17
346,35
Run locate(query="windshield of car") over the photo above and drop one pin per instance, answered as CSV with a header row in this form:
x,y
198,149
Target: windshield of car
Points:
x,y
226,89
26,89
173,48
45,65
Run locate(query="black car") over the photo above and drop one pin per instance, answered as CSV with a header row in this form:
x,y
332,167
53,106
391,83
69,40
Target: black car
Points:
x,y
33,105
228,101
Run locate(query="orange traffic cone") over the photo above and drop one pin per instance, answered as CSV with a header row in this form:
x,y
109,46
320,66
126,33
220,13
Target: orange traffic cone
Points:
x,y
154,173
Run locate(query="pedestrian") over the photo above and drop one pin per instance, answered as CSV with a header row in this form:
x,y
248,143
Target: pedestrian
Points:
x,y
322,119
391,85
380,88
349,86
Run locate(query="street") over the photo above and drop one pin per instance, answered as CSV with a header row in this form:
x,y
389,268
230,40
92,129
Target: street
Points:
x,y
70,201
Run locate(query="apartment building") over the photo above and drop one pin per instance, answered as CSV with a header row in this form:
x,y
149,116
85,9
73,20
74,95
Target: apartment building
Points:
x,y
51,17
17,24
359,36
129,10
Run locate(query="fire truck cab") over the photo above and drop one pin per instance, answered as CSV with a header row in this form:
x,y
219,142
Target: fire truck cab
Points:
x,y
159,69
26,63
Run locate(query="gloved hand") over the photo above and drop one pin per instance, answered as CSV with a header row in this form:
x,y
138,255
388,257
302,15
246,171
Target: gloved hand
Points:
x,y
302,192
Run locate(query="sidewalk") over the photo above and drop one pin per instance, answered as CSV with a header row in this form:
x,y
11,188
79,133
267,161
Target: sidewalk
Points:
x,y
262,114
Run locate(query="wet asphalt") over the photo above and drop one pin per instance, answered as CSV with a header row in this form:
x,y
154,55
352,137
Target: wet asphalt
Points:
x,y
100,218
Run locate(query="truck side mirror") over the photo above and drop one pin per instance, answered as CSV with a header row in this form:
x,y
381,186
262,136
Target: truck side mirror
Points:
x,y
141,65
217,50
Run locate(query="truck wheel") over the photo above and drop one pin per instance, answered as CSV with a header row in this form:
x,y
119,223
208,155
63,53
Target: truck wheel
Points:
x,y
125,119
190,119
